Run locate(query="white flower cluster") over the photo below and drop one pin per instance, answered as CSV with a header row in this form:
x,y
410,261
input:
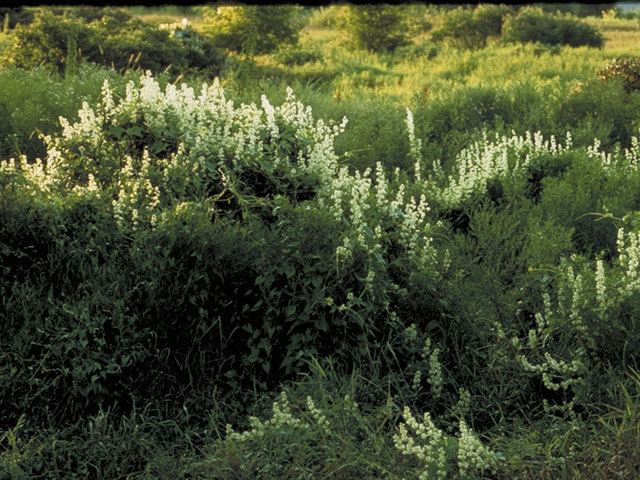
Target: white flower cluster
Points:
x,y
429,361
629,260
473,456
282,417
137,196
319,418
435,373
35,173
557,374
157,147
172,27
572,299
611,285
632,155
423,440
415,146
626,160
426,442
213,138
283,421
492,159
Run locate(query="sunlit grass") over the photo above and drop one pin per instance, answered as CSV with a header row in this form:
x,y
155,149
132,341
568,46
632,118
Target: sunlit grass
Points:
x,y
622,36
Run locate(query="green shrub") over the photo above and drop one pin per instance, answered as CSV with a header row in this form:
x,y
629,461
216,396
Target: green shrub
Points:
x,y
599,110
531,24
132,209
201,53
489,18
413,51
576,191
450,123
329,17
376,27
459,29
251,29
111,38
465,28
44,41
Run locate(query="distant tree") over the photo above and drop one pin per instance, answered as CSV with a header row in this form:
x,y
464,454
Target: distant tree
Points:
x,y
489,18
466,28
532,24
376,27
252,29
459,29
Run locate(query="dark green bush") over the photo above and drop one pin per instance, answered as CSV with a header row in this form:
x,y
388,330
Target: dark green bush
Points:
x,y
465,28
201,53
136,44
599,110
61,291
459,29
531,24
111,38
376,27
450,123
45,41
415,51
489,18
252,29
574,199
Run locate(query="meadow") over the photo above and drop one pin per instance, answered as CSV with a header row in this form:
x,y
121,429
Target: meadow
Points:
x,y
304,253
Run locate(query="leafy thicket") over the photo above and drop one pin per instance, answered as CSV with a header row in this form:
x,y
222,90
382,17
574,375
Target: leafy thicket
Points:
x,y
174,247
471,28
196,282
108,37
376,27
465,28
252,29
531,24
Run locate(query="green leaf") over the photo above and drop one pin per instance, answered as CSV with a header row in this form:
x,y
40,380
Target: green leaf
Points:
x,y
135,131
289,270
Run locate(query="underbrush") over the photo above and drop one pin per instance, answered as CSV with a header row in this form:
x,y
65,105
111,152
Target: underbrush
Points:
x,y
176,259
230,278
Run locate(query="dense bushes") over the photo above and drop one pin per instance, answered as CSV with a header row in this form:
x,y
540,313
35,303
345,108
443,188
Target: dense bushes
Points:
x,y
111,38
466,28
376,27
176,260
135,205
533,25
470,28
252,29
32,101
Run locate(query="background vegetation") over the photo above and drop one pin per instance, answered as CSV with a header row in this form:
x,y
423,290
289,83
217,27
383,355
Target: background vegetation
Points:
x,y
231,281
